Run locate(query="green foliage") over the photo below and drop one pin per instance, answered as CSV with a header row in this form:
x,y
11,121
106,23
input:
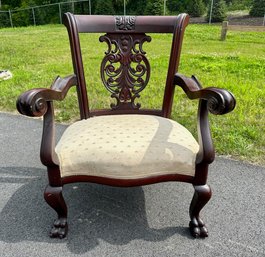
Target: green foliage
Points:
x,y
236,2
258,8
104,7
4,20
21,18
195,8
155,7
11,3
218,11
235,5
118,5
176,6
136,7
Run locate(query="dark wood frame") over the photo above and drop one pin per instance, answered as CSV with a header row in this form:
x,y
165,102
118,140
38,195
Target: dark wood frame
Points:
x,y
39,102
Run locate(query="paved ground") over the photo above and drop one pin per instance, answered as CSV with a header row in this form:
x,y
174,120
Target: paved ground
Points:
x,y
105,221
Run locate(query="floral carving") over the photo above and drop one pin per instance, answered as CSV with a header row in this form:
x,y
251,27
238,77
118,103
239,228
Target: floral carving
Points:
x,y
125,22
125,70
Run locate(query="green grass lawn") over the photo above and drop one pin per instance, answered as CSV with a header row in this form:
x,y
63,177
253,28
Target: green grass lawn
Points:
x,y
36,55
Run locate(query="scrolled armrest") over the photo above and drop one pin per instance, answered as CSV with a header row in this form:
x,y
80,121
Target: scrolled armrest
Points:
x,y
219,101
34,102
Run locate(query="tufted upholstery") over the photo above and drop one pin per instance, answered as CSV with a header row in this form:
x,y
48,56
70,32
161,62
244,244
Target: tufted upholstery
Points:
x,y
126,147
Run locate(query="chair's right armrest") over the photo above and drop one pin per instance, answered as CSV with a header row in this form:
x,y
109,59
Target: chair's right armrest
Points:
x,y
34,102
216,100
219,101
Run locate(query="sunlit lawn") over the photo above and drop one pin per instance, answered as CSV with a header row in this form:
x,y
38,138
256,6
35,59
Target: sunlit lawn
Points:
x,y
36,55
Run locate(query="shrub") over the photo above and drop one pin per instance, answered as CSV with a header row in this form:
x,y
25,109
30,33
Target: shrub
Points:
x,y
136,7
155,7
196,8
176,6
218,12
258,8
104,7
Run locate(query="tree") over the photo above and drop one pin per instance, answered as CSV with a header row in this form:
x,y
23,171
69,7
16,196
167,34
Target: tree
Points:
x,y
11,3
136,7
258,8
104,7
177,6
155,7
234,5
218,11
195,8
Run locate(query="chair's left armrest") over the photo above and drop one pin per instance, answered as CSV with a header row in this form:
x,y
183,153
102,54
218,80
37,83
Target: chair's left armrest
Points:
x,y
219,101
34,102
38,102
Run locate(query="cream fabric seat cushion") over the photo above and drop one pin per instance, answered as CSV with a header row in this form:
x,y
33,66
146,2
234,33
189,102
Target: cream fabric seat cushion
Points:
x,y
126,147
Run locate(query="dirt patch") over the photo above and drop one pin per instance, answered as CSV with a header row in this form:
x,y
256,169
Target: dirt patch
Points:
x,y
235,20
245,20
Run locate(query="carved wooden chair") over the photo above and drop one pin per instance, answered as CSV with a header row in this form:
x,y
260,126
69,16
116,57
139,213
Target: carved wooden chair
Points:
x,y
125,145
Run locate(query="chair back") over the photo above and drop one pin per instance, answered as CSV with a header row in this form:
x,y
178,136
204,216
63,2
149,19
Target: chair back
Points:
x,y
125,69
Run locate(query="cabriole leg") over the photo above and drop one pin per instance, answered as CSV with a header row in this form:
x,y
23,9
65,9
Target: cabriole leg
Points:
x,y
201,196
54,197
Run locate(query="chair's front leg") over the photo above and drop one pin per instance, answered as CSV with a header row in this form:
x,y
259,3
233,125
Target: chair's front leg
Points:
x,y
201,196
53,192
54,197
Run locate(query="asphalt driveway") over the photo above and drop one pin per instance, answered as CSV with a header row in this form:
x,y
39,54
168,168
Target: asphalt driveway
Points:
x,y
107,221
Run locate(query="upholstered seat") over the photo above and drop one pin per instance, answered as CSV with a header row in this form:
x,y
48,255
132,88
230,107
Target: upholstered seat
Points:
x,y
126,147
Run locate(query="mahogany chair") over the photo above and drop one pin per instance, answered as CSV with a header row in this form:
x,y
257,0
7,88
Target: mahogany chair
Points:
x,y
126,145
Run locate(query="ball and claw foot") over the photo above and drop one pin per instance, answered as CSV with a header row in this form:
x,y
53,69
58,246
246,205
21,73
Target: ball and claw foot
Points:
x,y
59,229
198,228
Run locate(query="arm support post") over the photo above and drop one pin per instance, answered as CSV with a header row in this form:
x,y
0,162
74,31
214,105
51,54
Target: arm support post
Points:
x,y
215,100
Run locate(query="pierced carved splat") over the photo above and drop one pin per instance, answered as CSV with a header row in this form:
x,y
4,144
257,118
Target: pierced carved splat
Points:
x,y
125,70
